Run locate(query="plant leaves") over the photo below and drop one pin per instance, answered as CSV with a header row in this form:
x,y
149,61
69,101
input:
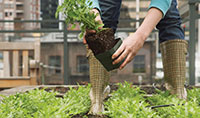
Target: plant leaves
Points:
x,y
73,26
79,11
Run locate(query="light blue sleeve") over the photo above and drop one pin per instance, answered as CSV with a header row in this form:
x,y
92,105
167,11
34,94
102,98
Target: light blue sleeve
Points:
x,y
162,5
95,4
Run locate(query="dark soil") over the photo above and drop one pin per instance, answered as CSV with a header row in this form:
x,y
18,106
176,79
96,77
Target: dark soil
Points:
x,y
102,41
1,89
114,87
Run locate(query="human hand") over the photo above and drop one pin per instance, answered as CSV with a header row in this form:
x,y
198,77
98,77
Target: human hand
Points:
x,y
134,42
98,19
129,48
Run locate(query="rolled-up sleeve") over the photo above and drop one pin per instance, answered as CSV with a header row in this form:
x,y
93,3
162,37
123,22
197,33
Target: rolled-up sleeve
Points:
x,y
162,5
95,4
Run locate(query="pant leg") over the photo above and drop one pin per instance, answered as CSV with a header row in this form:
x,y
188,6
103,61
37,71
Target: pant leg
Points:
x,y
173,50
170,26
110,11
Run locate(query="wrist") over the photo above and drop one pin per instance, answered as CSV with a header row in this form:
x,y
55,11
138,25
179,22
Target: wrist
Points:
x,y
142,35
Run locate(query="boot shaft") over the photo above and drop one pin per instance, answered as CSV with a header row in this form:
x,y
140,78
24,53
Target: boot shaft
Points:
x,y
174,66
174,61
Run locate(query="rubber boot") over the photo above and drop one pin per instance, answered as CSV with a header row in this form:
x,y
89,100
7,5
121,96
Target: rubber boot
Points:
x,y
174,66
99,78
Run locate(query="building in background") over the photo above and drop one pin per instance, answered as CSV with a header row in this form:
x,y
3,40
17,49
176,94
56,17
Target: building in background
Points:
x,y
19,10
146,64
1,18
132,10
52,57
31,10
48,10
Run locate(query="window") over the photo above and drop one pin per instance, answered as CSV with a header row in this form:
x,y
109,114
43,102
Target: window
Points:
x,y
139,64
6,14
8,6
1,55
34,16
1,16
54,65
31,8
82,64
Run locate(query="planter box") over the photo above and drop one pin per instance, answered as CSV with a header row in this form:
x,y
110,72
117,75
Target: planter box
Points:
x,y
62,89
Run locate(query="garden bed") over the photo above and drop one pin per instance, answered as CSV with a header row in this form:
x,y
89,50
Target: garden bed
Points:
x,y
126,101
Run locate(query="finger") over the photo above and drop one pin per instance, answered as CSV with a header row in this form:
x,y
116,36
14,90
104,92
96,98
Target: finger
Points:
x,y
84,40
84,35
118,52
100,27
98,19
127,60
90,31
121,57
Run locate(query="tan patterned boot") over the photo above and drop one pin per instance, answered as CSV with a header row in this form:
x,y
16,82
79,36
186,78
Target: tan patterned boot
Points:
x,y
99,78
174,66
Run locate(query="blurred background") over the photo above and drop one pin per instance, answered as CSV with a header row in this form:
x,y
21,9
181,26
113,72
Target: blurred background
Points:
x,y
61,55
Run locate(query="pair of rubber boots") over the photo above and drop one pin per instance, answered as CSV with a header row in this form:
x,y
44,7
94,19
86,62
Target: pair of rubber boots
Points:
x,y
174,66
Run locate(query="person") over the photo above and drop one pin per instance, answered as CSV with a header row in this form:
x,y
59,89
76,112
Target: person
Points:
x,y
162,14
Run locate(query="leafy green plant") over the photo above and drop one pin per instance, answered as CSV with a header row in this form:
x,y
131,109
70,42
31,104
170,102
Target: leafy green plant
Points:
x,y
181,108
77,101
194,94
128,102
41,104
79,11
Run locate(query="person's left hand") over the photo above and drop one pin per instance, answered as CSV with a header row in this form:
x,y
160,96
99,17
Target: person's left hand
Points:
x,y
129,48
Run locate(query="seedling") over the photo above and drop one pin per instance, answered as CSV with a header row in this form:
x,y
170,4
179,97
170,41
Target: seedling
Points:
x,y
102,43
79,11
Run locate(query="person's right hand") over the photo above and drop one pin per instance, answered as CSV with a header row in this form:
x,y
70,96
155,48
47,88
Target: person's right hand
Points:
x,y
98,19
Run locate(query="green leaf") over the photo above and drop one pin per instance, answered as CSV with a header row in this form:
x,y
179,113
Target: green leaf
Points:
x,y
81,35
73,26
42,104
78,11
90,4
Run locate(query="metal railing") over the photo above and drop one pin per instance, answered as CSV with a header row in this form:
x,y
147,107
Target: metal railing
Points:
x,y
193,15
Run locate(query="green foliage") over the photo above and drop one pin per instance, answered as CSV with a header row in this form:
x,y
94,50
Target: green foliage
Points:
x,y
194,94
162,98
42,104
128,102
77,101
181,108
79,11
